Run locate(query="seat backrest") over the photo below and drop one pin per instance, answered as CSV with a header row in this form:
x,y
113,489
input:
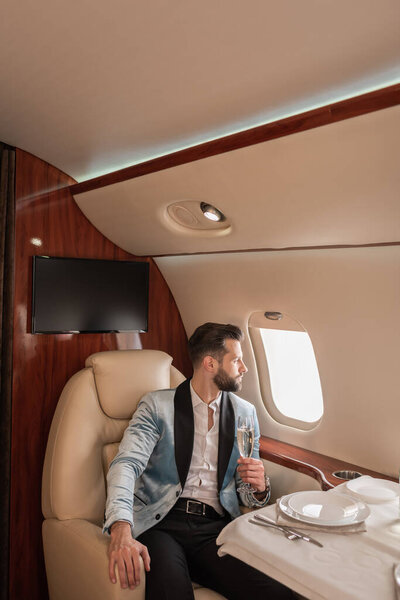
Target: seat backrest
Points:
x,y
93,411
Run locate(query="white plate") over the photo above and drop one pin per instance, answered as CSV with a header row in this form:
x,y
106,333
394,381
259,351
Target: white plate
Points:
x,y
374,490
322,508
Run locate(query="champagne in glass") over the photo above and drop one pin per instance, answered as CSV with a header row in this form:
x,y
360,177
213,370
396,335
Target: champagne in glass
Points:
x,y
245,439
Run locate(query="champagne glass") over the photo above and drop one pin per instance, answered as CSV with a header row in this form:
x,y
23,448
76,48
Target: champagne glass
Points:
x,y
245,439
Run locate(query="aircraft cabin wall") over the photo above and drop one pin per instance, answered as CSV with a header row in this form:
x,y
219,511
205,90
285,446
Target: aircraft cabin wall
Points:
x,y
348,301
326,187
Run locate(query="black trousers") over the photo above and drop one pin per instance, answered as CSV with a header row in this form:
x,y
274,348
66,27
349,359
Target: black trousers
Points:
x,y
182,549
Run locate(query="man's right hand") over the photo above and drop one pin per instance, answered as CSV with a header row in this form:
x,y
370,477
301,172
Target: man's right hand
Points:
x,y
124,552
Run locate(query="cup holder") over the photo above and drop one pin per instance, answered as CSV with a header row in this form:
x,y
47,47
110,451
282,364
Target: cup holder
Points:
x,y
347,475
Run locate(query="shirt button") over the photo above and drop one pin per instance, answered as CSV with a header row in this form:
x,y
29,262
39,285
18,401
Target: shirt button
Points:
x,y
177,494
157,517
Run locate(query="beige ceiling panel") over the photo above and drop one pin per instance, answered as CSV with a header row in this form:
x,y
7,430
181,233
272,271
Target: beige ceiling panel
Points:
x,y
338,184
94,86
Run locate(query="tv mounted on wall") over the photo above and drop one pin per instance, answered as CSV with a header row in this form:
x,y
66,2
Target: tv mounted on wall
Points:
x,y
79,295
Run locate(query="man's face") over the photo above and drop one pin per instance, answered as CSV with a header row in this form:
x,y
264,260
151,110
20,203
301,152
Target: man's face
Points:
x,y
231,369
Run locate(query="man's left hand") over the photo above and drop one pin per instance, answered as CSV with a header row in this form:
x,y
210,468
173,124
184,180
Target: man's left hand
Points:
x,y
251,470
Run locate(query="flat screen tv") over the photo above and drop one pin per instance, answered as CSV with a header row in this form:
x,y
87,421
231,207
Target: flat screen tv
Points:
x,y
79,295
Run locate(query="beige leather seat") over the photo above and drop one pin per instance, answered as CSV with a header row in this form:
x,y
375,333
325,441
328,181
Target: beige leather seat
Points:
x,y
92,414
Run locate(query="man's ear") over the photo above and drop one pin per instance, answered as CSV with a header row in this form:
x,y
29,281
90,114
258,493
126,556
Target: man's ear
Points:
x,y
210,364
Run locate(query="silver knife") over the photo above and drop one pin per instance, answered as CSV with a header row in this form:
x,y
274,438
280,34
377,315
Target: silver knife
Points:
x,y
290,536
396,575
304,537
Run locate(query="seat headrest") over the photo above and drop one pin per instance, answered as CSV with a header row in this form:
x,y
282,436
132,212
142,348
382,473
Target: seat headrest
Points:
x,y
122,377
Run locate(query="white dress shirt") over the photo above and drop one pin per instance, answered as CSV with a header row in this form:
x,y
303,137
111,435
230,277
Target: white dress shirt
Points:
x,y
201,482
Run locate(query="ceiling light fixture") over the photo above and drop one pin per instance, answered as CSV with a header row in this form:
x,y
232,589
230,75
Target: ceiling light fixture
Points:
x,y
273,316
212,213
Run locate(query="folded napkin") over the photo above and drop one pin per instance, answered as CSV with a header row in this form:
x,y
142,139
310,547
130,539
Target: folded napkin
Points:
x,y
282,519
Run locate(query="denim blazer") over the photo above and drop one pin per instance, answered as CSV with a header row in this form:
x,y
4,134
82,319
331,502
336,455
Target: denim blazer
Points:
x,y
148,474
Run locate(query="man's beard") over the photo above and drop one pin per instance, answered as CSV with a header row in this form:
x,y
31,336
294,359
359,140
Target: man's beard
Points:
x,y
225,383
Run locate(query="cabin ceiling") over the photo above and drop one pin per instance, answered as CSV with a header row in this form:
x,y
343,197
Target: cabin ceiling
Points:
x,y
337,184
95,86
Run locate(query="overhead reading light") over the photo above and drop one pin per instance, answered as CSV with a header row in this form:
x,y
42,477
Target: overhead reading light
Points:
x,y
196,218
273,316
212,213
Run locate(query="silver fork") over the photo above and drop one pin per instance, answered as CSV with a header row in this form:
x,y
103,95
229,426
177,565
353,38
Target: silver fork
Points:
x,y
289,536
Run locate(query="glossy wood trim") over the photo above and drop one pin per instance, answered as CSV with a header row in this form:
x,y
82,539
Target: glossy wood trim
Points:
x,y
287,249
325,115
316,465
42,364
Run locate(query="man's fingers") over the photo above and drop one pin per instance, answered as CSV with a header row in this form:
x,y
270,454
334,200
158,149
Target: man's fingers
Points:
x,y
146,558
249,471
111,568
136,566
122,571
128,560
124,555
250,468
250,460
254,480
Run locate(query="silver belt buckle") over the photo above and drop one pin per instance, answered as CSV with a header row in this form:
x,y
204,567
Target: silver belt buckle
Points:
x,y
192,512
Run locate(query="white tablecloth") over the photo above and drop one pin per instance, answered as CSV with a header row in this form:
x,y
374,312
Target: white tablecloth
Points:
x,y
348,567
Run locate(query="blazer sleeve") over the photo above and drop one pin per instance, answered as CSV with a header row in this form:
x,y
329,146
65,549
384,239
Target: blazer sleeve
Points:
x,y
136,447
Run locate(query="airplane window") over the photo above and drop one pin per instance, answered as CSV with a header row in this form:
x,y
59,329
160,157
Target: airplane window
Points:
x,y
287,370
295,385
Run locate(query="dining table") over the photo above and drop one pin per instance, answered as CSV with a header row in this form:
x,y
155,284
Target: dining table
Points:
x,y
348,566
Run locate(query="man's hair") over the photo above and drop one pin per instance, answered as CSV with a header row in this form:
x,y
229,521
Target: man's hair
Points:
x,y
209,340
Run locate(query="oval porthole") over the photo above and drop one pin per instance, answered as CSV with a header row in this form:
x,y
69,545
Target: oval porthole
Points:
x,y
287,370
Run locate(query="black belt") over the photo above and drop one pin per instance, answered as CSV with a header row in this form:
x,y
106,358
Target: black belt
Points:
x,y
195,507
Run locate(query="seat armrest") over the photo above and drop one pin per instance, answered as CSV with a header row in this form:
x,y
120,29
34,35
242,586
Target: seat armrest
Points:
x,y
76,560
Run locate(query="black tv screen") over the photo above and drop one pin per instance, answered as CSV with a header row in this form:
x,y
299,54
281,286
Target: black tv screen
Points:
x,y
76,295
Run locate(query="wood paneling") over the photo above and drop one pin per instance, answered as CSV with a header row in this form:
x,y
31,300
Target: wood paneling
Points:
x,y
332,113
42,364
316,465
284,249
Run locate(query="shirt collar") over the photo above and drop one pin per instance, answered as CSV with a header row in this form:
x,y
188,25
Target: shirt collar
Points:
x,y
196,400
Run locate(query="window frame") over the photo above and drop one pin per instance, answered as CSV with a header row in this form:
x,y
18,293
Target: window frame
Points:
x,y
256,322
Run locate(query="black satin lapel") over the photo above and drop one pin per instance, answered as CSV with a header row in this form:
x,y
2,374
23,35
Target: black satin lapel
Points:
x,y
226,436
183,429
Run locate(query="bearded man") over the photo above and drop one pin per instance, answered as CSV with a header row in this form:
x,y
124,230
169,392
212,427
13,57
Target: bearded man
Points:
x,y
172,487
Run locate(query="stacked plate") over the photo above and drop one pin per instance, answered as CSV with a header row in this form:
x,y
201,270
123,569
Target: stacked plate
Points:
x,y
374,491
322,508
